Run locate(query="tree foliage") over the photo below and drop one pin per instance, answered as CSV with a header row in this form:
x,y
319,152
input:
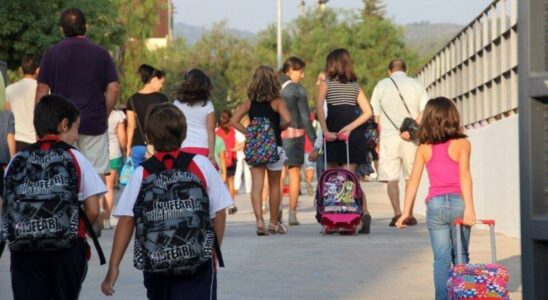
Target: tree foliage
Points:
x,y
373,8
29,27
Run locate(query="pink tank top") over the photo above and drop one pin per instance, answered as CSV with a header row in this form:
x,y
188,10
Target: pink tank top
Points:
x,y
443,172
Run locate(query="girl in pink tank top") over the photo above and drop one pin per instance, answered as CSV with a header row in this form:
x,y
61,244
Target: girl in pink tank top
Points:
x,y
445,152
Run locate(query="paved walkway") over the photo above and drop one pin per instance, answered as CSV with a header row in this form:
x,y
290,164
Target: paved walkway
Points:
x,y
386,264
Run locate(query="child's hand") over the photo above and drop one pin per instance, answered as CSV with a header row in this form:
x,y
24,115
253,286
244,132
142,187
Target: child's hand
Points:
x,y
469,218
401,221
313,156
108,284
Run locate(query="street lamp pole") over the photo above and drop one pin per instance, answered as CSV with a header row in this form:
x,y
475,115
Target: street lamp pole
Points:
x,y
279,35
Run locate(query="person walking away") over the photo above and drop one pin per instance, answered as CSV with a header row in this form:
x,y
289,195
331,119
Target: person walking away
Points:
x,y
84,73
343,95
268,115
445,153
395,98
194,100
294,95
20,101
309,166
228,134
7,134
45,226
137,106
117,141
220,157
175,202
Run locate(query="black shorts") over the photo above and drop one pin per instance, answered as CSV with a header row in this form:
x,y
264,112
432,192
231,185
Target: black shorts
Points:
x,y
231,171
49,274
201,286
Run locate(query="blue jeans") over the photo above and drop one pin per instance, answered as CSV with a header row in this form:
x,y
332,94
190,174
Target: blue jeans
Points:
x,y
441,211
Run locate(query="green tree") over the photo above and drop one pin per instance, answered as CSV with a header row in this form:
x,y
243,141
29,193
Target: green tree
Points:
x,y
29,27
374,8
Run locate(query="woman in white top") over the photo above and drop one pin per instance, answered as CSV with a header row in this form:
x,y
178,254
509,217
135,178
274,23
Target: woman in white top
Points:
x,y
193,100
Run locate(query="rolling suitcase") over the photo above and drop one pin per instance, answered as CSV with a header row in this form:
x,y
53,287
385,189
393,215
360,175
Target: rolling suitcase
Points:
x,y
339,199
478,281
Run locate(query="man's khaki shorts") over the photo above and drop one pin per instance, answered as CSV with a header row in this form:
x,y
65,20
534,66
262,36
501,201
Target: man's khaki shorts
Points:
x,y
396,155
95,149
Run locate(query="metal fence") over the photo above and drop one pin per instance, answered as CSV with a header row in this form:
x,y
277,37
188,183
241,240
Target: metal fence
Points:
x,y
478,67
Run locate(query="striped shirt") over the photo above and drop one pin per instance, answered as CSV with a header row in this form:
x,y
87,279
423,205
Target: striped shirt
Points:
x,y
341,93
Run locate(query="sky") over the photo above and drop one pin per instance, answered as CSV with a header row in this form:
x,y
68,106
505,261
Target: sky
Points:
x,y
256,15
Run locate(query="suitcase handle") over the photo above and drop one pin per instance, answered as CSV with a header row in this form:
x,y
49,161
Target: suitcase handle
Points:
x,y
341,137
491,223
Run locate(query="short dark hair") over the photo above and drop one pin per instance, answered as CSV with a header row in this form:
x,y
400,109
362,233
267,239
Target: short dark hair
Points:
x,y
265,86
440,122
195,88
148,72
339,66
30,63
397,64
165,127
294,63
73,22
50,112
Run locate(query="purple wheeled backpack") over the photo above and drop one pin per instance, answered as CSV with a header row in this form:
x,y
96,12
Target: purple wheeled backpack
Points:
x,y
339,195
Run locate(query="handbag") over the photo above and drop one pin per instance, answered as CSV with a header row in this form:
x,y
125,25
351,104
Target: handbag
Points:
x,y
409,124
149,148
127,171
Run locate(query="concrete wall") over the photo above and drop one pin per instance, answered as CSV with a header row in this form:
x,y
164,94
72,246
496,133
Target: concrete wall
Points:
x,y
495,175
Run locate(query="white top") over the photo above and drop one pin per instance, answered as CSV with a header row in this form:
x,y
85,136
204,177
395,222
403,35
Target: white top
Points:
x,y
240,138
116,118
196,121
21,96
219,198
385,93
90,182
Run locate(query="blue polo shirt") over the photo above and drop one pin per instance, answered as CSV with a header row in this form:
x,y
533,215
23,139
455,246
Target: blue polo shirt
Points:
x,y
80,70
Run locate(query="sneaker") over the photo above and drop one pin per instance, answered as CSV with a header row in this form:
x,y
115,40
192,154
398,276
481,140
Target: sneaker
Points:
x,y
411,221
107,225
293,218
232,210
394,220
366,224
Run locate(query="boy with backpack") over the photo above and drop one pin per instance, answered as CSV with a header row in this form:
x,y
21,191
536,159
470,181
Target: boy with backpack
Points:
x,y
43,221
175,201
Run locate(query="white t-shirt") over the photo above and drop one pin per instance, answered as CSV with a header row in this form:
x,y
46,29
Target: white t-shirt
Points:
x,y
219,198
116,118
21,96
240,138
196,121
386,94
90,182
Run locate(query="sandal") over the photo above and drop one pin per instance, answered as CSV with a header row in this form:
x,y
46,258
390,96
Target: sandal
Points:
x,y
278,228
261,230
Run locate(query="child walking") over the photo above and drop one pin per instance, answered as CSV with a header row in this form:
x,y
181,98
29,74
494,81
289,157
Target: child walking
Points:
x,y
175,201
43,222
263,150
445,152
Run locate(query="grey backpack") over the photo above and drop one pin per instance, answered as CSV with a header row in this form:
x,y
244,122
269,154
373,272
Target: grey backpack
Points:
x,y
174,233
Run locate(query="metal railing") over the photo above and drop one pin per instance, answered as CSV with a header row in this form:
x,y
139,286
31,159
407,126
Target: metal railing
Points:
x,y
478,67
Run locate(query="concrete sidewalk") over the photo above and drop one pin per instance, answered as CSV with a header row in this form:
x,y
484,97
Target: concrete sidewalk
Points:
x,y
386,264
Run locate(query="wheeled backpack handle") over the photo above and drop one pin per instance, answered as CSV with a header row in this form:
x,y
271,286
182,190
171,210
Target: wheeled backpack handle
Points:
x,y
491,223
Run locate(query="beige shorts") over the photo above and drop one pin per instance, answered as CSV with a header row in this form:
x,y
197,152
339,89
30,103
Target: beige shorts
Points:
x,y
279,165
95,149
396,155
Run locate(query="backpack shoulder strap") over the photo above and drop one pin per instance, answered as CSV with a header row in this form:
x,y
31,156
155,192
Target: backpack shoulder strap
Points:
x,y
183,160
153,165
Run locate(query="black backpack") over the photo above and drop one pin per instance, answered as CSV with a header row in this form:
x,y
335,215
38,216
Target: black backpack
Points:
x,y
41,211
174,233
